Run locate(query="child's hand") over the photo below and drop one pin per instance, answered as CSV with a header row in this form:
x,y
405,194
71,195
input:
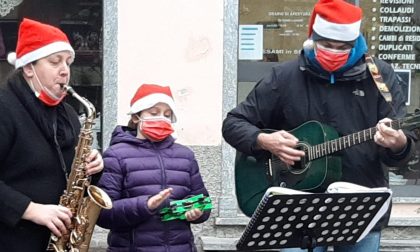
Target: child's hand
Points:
x,y
193,214
159,198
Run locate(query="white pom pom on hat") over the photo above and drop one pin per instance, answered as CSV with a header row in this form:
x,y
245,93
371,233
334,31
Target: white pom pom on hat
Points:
x,y
11,58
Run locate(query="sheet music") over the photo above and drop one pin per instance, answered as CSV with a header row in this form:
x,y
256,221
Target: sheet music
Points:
x,y
345,187
283,190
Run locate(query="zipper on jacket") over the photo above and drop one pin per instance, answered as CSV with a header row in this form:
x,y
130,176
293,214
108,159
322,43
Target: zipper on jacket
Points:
x,y
163,186
162,168
132,247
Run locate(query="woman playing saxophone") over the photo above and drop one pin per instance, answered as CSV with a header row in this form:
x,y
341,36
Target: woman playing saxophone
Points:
x,y
39,133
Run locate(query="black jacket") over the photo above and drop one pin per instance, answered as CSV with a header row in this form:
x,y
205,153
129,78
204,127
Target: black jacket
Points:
x,y
30,168
293,94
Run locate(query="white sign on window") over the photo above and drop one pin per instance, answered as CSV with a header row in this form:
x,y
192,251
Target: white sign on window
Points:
x,y
250,42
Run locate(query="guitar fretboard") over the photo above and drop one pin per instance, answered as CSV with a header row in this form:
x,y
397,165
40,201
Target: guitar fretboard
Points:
x,y
327,148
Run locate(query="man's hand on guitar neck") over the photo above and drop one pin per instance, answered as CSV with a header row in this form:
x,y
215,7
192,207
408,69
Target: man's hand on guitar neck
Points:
x,y
281,144
388,137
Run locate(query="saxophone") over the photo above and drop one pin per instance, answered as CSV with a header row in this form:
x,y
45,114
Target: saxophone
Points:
x,y
85,210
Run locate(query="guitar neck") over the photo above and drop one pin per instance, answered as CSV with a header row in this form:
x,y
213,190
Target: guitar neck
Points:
x,y
332,146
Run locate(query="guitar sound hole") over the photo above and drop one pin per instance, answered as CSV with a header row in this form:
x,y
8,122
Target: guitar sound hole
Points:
x,y
302,165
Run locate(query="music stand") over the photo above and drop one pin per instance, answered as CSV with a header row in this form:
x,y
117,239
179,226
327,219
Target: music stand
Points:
x,y
310,220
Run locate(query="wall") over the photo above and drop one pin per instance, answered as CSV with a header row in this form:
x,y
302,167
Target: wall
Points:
x,y
175,43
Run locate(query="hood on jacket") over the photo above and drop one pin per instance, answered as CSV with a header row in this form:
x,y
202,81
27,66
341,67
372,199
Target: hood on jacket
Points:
x,y
353,69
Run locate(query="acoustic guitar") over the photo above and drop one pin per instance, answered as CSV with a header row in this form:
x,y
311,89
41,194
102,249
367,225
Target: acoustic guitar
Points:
x,y
314,172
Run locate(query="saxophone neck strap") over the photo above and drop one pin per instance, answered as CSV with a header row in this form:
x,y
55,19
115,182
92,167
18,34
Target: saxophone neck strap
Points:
x,y
377,78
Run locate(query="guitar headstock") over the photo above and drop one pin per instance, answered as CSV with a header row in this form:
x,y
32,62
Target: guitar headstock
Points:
x,y
411,121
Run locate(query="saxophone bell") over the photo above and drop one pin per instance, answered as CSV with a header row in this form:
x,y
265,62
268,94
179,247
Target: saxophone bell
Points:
x,y
85,221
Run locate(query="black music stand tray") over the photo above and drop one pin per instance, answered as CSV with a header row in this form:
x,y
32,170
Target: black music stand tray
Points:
x,y
310,220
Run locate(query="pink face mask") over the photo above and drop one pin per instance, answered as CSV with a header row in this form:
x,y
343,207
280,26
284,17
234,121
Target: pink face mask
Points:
x,y
46,96
155,128
331,59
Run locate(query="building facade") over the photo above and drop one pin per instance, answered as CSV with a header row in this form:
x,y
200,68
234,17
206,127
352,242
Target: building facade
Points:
x,y
193,46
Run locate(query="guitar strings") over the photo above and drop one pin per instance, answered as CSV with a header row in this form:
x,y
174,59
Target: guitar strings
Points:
x,y
331,146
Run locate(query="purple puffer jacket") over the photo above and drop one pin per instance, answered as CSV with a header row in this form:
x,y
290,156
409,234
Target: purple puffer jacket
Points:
x,y
134,171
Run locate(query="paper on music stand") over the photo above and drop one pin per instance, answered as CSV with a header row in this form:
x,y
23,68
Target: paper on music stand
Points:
x,y
345,187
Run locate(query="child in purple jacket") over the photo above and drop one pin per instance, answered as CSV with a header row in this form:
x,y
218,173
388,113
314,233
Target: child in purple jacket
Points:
x,y
145,170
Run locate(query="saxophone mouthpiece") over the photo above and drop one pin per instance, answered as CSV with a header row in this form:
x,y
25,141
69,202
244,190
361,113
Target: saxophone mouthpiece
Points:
x,y
69,89
63,86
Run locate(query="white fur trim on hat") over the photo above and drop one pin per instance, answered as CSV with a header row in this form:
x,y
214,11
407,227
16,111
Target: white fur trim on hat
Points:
x,y
151,100
43,52
11,58
335,31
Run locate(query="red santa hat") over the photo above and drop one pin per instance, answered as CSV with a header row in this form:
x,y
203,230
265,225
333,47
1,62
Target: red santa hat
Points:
x,y
148,95
335,20
37,40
